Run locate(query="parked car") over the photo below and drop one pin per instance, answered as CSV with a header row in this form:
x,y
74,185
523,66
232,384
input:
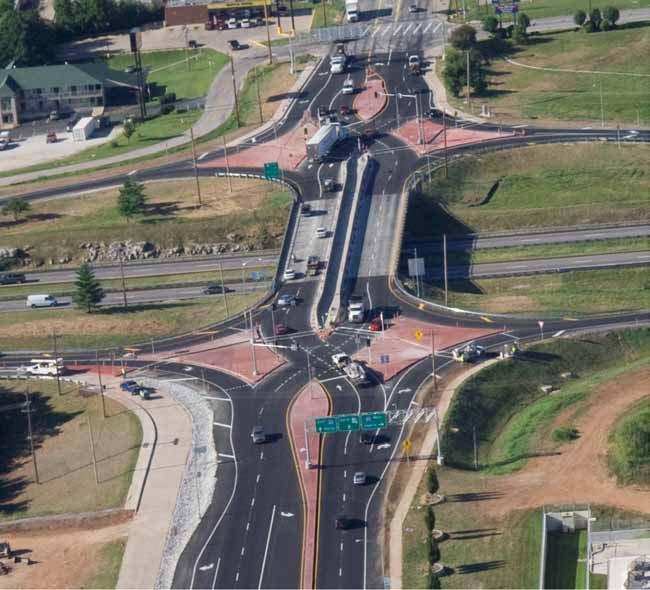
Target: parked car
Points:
x,y
413,8
359,478
12,278
34,301
287,300
51,137
192,44
232,23
321,232
245,23
3,144
234,45
258,435
305,208
54,116
329,184
289,274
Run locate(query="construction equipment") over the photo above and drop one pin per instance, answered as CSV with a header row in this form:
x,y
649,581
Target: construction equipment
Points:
x,y
468,353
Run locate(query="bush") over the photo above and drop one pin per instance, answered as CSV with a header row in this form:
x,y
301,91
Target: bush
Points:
x,y
434,552
168,98
114,143
596,18
490,24
579,17
589,27
565,434
607,26
167,108
430,518
432,480
629,452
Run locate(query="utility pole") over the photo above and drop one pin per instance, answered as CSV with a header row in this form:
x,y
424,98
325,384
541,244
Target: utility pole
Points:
x,y
56,356
234,82
444,258
196,171
225,155
101,386
92,448
268,33
444,135
30,433
468,87
324,13
253,344
223,289
293,22
259,100
123,282
475,449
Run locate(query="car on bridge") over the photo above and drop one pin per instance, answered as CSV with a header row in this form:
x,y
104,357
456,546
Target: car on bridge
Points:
x,y
281,329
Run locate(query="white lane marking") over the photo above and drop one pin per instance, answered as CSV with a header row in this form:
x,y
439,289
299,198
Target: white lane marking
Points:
x,y
237,577
243,550
416,29
557,334
203,155
332,378
216,571
205,568
341,547
225,455
257,479
287,514
427,28
340,572
266,550
344,496
132,172
345,473
386,445
248,525
261,411
218,399
345,447
222,424
252,501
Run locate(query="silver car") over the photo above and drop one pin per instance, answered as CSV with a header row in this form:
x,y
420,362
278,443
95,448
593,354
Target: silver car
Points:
x,y
258,435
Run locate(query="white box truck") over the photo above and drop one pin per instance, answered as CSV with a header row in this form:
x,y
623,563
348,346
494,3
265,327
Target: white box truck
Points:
x,y
356,309
84,128
321,143
352,10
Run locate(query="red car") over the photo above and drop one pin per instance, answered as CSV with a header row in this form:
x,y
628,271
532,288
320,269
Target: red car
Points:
x,y
281,330
375,325
344,110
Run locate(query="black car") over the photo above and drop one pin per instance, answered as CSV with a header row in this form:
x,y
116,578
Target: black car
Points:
x,y
212,289
234,45
343,522
11,278
305,208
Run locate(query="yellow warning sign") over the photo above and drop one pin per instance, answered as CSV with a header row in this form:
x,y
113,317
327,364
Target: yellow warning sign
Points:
x,y
406,445
419,335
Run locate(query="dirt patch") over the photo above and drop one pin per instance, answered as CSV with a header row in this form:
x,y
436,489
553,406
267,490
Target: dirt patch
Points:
x,y
579,473
69,559
509,303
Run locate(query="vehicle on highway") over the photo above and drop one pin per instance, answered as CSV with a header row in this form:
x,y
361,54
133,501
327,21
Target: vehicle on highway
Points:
x,y
281,329
258,435
356,309
344,110
289,274
467,353
348,86
367,438
352,10
343,522
359,478
321,143
34,301
321,232
413,8
305,209
287,300
313,265
213,288
375,325
337,64
235,45
11,278
47,367
329,184
352,369
414,64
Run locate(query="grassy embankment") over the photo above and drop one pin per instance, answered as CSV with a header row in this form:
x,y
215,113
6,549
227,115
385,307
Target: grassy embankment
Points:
x,y
511,414
542,8
539,187
66,475
328,14
517,93
629,446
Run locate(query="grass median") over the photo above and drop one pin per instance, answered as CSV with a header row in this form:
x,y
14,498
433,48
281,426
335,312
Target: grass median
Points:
x,y
63,454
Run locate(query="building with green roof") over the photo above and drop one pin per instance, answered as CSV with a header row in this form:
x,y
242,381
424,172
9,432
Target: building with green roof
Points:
x,y
33,93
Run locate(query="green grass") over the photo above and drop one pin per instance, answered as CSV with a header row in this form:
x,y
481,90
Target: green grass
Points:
x,y
114,326
543,8
510,412
566,555
334,14
281,42
517,93
111,556
169,71
576,292
544,251
629,445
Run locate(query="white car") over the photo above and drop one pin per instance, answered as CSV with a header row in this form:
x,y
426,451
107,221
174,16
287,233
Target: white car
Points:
x,y
337,64
245,23
413,8
348,87
321,232
289,274
359,478
232,23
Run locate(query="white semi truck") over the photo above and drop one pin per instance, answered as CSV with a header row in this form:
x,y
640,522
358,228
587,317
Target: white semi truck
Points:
x,y
84,128
352,10
322,142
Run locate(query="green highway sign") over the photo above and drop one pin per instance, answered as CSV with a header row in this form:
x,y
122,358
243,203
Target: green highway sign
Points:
x,y
325,425
374,420
347,423
271,170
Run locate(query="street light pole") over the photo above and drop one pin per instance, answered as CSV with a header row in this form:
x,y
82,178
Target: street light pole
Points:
x,y
444,257
253,345
234,82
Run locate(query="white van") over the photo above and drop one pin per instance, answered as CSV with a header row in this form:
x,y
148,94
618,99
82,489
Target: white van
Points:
x,y
48,367
41,301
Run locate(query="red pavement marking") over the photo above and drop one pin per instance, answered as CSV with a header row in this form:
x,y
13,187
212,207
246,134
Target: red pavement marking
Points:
x,y
104,369
366,104
288,149
433,135
403,349
310,403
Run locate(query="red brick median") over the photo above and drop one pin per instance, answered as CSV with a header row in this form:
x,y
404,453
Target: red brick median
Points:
x,y
310,403
371,100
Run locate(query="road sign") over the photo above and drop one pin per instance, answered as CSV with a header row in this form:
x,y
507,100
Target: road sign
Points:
x,y
384,359
541,324
325,425
271,170
416,267
374,420
419,335
347,423
406,445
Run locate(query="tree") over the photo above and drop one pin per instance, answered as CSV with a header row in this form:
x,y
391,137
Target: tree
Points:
x,y
463,38
16,207
579,17
596,18
455,72
131,199
611,15
25,38
519,35
490,24
128,128
432,480
523,20
89,292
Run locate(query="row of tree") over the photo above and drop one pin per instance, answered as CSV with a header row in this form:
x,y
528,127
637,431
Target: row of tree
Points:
x,y
598,21
28,40
464,61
